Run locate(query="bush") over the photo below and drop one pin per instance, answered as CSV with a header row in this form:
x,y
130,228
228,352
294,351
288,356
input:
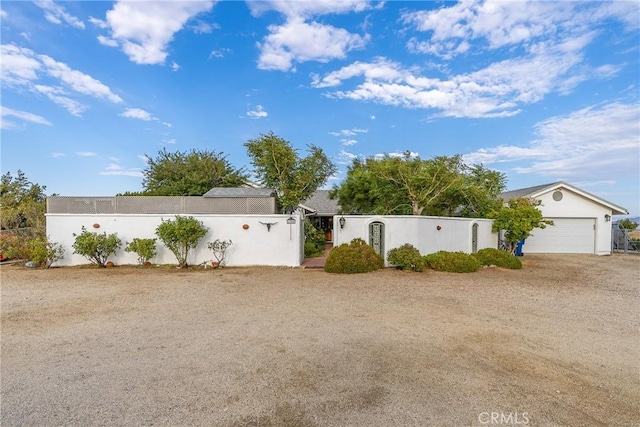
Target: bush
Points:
x,y
453,262
37,249
355,257
314,241
406,257
144,248
181,235
96,247
492,256
219,248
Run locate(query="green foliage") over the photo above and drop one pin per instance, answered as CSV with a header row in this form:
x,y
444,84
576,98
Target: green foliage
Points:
x,y
452,262
406,257
277,165
190,173
219,248
410,185
181,235
518,219
493,256
22,203
144,248
36,248
355,257
627,224
96,247
314,242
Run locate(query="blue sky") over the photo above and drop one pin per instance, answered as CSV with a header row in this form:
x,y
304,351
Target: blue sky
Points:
x,y
542,91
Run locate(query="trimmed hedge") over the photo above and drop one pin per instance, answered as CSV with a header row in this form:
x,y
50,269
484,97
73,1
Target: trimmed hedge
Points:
x,y
355,257
492,256
452,262
406,257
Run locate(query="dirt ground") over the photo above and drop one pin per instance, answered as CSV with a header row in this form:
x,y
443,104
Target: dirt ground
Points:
x,y
557,343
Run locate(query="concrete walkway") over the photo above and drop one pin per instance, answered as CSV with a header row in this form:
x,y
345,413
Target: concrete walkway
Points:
x,y
318,262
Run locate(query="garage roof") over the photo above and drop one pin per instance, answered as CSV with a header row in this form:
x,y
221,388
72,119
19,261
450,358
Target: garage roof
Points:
x,y
539,190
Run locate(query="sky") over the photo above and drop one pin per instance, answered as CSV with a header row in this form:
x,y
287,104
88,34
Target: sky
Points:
x,y
543,91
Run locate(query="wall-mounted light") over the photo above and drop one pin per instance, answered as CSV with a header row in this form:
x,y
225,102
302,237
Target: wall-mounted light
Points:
x,y
342,221
291,220
607,217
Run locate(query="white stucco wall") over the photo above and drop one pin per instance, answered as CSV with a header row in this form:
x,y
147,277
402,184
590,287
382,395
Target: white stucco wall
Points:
x,y
455,234
255,246
574,205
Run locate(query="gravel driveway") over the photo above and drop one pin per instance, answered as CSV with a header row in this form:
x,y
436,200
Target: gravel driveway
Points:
x,y
556,343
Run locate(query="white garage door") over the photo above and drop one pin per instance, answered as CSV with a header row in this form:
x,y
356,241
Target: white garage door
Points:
x,y
567,235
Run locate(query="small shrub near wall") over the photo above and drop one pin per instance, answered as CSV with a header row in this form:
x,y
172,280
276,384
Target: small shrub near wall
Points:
x,y
452,262
355,257
492,256
406,257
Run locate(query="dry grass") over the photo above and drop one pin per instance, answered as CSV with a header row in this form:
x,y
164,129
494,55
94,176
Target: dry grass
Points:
x,y
557,340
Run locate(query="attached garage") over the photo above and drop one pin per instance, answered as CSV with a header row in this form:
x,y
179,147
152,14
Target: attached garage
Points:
x,y
568,235
582,221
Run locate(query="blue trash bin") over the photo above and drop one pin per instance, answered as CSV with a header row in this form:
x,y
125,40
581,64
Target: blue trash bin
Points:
x,y
519,248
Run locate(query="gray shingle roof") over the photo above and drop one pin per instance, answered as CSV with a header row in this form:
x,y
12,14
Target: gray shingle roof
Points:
x,y
239,192
322,204
524,192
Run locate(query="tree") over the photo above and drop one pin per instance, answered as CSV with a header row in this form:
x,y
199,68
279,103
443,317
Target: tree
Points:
x,y
96,247
517,220
181,235
627,224
280,167
22,203
400,185
190,173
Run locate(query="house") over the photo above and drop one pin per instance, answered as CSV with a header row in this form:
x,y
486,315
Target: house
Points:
x,y
582,221
320,209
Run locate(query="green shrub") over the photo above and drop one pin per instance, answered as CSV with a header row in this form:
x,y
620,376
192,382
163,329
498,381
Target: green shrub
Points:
x,y
314,241
144,248
406,257
96,247
37,249
453,262
492,256
219,248
355,257
181,235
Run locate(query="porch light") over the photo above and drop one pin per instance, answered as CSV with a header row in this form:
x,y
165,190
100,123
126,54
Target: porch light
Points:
x,y
291,220
607,217
342,221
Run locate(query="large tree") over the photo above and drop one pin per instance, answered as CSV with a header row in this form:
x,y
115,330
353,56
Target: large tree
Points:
x,y
22,203
406,185
191,173
279,166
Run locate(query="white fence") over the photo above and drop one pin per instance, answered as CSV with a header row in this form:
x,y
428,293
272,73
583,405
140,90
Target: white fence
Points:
x,y
254,241
426,233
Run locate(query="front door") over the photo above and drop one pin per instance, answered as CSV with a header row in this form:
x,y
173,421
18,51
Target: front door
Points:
x,y
376,237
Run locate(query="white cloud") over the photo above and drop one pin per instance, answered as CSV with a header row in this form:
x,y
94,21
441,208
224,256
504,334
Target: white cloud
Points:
x,y
58,96
167,124
175,66
56,14
348,142
309,8
143,30
593,143
3,14
137,113
86,154
56,155
19,65
219,53
349,132
372,117
380,69
98,22
299,41
202,27
20,115
258,113
115,169
106,41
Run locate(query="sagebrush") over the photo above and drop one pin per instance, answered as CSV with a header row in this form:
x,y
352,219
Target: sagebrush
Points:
x,y
355,257
406,257
493,256
144,248
96,247
453,262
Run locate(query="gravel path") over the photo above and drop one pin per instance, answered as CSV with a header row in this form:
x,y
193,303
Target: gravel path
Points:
x,y
556,343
